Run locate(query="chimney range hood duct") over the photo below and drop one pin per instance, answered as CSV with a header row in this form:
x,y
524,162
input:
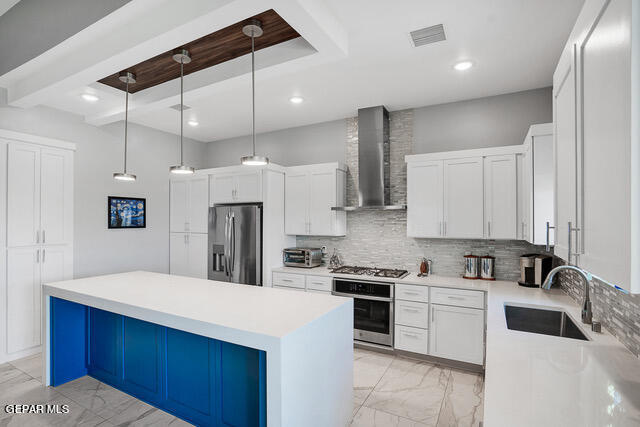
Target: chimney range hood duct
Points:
x,y
374,178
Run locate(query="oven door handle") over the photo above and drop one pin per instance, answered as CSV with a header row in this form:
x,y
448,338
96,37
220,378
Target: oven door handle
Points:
x,y
341,294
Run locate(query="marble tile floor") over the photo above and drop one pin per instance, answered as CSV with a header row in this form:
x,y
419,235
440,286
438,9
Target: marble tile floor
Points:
x,y
388,391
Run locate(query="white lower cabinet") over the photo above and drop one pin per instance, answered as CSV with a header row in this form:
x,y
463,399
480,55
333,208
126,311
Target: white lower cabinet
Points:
x,y
23,298
188,254
457,333
410,313
411,339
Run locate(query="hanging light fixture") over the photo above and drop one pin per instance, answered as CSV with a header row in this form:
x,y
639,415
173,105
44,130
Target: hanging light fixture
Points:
x,y
125,77
182,56
253,30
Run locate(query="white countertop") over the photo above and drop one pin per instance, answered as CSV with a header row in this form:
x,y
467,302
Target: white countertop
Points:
x,y
411,279
541,380
250,309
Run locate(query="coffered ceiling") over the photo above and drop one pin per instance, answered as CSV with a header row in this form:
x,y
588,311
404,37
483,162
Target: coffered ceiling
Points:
x,y
350,54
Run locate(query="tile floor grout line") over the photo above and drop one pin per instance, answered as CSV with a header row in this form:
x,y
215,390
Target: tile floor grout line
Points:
x,y
378,382
444,396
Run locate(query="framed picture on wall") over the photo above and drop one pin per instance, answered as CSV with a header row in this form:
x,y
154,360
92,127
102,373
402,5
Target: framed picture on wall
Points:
x,y
126,212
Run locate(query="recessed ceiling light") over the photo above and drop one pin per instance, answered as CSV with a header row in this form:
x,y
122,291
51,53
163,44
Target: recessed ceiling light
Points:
x,y
89,97
463,65
193,123
296,99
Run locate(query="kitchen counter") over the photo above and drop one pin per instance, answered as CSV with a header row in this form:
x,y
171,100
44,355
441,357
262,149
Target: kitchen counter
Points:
x,y
298,336
410,279
541,380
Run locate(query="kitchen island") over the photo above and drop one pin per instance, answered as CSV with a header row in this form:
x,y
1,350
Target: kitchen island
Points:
x,y
209,352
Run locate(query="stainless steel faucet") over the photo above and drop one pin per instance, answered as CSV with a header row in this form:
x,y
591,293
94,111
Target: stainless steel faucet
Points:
x,y
587,313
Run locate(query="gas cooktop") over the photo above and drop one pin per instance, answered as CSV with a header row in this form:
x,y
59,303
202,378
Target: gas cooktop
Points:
x,y
371,271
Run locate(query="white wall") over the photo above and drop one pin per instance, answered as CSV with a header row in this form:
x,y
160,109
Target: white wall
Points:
x,y
32,27
98,250
484,122
318,143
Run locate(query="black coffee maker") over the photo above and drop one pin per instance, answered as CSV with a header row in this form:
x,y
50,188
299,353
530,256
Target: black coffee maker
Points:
x,y
534,268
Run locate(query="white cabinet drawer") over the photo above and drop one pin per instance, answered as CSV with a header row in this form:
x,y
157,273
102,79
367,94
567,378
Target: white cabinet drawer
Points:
x,y
411,339
457,297
288,280
412,293
319,283
409,313
288,288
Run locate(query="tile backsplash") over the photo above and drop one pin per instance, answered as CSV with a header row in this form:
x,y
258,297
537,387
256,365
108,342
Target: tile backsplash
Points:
x,y
617,311
379,238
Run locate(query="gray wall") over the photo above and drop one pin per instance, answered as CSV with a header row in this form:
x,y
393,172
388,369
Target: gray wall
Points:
x,y
318,143
98,250
485,122
32,27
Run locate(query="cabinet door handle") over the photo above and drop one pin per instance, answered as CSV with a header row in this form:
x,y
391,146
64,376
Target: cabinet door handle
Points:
x,y
488,228
44,240
410,334
38,256
549,227
433,319
412,310
287,280
411,292
44,252
445,228
456,298
440,228
37,236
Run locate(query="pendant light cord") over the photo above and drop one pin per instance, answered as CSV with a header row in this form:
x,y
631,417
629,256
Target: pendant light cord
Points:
x,y
181,109
126,121
253,94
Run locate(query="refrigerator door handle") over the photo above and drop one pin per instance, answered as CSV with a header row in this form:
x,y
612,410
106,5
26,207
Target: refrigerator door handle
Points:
x,y
226,244
232,240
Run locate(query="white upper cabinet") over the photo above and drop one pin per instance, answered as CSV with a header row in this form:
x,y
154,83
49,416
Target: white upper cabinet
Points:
x,y
466,194
240,186
500,196
296,204
541,168
56,196
564,113
310,193
39,196
596,105
463,198
189,204
525,190
23,195
425,199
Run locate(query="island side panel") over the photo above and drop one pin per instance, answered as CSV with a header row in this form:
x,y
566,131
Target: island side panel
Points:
x,y
65,341
317,371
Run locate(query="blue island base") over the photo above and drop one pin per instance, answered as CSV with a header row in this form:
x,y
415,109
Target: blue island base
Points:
x,y
201,380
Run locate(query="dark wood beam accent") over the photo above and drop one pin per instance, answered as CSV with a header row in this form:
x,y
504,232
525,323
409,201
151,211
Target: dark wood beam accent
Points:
x,y
207,51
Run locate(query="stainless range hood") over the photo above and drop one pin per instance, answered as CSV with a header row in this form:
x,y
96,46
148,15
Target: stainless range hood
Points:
x,y
374,177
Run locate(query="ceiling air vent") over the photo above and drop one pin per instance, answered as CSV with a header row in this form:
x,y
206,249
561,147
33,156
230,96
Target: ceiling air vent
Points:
x,y
428,35
177,107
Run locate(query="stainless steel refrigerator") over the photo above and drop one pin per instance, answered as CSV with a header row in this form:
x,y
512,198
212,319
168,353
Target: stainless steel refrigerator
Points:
x,y
235,244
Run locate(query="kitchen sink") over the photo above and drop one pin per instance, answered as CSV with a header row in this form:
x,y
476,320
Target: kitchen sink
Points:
x,y
542,321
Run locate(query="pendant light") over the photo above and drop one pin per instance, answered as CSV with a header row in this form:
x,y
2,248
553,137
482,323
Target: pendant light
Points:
x,y
125,77
182,56
253,30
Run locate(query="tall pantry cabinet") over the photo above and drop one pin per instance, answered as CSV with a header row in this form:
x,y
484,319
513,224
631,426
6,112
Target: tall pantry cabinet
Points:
x,y
37,235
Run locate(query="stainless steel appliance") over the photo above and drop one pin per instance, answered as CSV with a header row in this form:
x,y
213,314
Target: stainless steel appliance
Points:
x,y
371,271
487,267
235,244
534,269
372,308
470,267
302,257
